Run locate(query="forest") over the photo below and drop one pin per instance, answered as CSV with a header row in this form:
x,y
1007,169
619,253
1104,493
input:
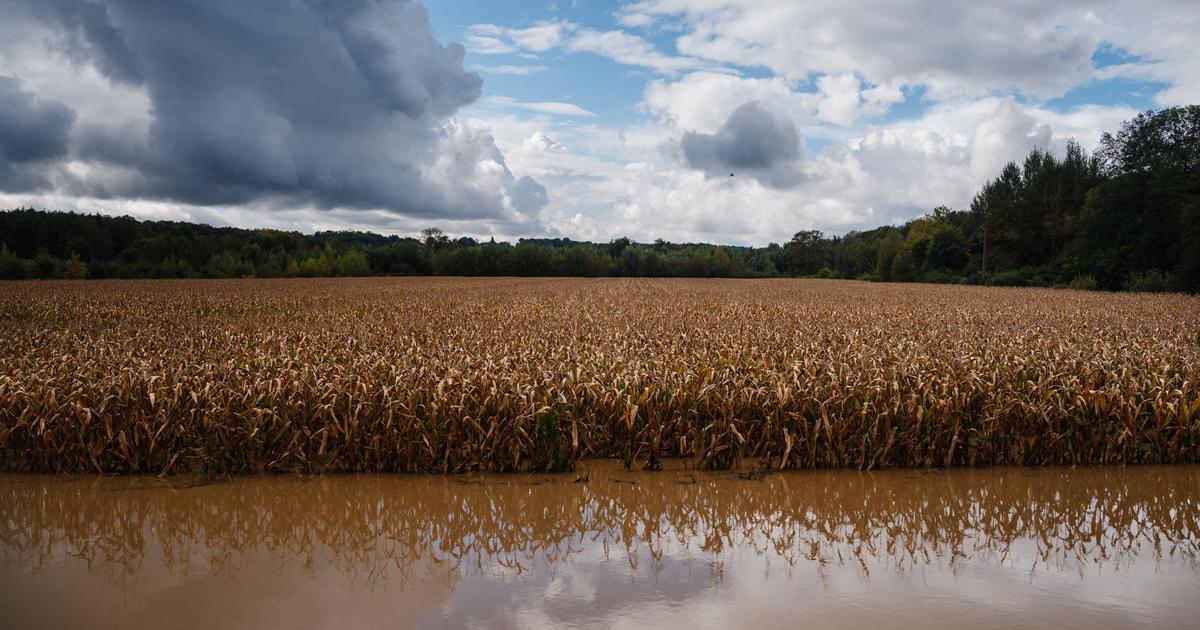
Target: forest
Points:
x,y
1126,217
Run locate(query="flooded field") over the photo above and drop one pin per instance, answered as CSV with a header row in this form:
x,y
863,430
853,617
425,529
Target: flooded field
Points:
x,y
1002,547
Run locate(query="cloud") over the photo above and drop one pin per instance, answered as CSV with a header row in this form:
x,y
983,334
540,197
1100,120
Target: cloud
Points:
x,y
607,181
630,50
833,73
752,143
1040,48
515,70
89,35
318,115
1007,135
620,46
344,104
542,36
840,97
490,39
530,194
703,101
32,132
558,109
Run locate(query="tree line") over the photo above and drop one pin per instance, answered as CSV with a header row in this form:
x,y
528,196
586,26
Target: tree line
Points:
x,y
1126,217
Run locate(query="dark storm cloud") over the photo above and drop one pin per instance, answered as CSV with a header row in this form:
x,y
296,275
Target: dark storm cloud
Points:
x,y
423,77
32,132
752,143
88,35
329,103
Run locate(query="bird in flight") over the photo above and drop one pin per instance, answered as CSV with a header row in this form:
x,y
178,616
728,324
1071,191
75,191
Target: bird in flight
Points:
x,y
731,174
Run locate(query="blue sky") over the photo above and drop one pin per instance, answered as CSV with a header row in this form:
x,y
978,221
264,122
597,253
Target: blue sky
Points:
x,y
597,83
584,119
614,91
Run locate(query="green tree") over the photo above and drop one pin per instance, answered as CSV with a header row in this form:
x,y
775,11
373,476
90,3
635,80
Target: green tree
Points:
x,y
903,267
629,263
1163,141
618,245
74,268
44,266
889,248
806,252
434,238
947,250
11,265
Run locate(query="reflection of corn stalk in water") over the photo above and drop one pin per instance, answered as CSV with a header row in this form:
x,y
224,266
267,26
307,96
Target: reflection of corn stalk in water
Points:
x,y
407,529
524,374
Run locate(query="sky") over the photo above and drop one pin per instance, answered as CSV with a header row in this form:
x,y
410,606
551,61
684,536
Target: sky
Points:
x,y
727,121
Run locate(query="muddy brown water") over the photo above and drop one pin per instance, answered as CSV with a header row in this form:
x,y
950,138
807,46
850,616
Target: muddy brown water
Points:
x,y
1053,547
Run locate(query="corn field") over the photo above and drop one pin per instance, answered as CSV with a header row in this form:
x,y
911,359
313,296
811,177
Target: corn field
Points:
x,y
459,375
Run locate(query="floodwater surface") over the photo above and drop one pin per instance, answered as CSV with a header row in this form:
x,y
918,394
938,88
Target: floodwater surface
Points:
x,y
1053,547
